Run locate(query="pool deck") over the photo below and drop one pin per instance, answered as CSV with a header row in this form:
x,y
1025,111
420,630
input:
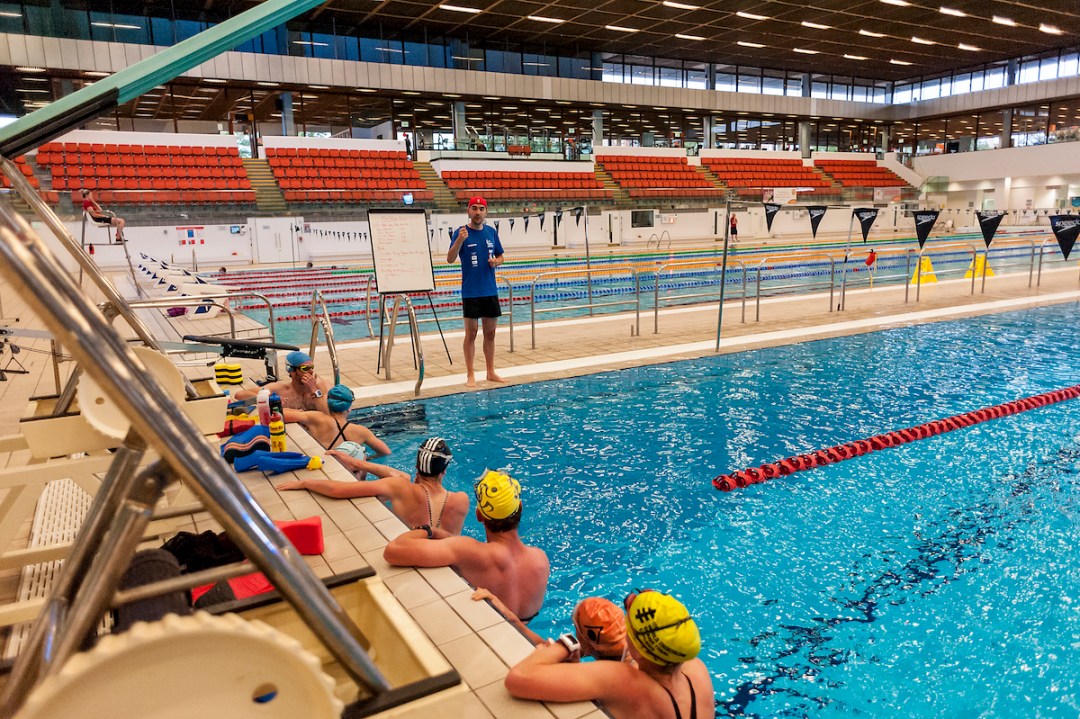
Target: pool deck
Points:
x,y
470,635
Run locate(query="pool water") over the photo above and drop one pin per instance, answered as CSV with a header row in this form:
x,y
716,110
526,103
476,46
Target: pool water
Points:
x,y
940,578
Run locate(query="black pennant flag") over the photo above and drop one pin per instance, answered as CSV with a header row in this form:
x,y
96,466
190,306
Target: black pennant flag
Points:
x,y
577,215
771,208
988,223
816,213
1066,228
866,216
511,221
450,231
431,234
526,224
924,222
496,226
542,217
558,217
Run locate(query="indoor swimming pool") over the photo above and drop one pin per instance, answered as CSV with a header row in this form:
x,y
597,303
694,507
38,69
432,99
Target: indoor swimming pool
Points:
x,y
940,578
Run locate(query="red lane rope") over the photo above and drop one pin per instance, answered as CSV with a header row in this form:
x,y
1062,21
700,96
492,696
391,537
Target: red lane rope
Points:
x,y
822,457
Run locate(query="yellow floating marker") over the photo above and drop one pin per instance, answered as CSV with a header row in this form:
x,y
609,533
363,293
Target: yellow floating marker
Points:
x,y
926,267
978,267
228,374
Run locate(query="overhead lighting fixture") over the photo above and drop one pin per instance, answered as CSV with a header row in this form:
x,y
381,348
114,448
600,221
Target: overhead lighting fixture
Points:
x,y
264,83
855,57
309,42
1004,21
468,59
409,92
868,33
30,69
901,3
215,80
116,25
366,89
921,41
969,48
541,18
749,44
32,89
805,52
620,28
751,16
952,11
6,13
898,62
1049,29
460,8
680,5
815,25
319,87
688,37
389,49
95,73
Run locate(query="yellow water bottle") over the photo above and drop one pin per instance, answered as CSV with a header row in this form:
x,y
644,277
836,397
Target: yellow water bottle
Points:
x,y
277,433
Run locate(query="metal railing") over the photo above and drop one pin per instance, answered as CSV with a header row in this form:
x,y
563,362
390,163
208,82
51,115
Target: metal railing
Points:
x,y
328,332
196,300
924,253
509,307
122,508
612,269
792,257
659,239
414,331
717,264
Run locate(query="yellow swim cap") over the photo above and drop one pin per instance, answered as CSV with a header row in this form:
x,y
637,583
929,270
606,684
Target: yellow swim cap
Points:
x,y
497,495
661,629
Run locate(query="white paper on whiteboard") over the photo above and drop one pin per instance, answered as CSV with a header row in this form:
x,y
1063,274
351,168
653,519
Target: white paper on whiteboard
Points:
x,y
399,248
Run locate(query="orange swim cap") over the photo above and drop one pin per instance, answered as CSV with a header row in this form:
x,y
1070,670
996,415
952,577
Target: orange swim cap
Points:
x,y
601,627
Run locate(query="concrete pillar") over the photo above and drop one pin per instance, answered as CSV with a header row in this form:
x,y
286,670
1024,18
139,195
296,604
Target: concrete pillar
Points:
x,y
1006,127
597,129
884,139
804,138
288,123
461,135
708,141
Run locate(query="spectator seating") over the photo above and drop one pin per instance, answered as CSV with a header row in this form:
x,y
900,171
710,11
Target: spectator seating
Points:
x,y
28,173
741,172
860,173
335,175
649,176
147,174
514,150
499,185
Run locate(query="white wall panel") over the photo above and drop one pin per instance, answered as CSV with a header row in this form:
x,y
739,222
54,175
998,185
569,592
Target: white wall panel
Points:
x,y
17,49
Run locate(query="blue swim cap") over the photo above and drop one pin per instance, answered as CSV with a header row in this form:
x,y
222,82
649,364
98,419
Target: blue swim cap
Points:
x,y
339,398
297,358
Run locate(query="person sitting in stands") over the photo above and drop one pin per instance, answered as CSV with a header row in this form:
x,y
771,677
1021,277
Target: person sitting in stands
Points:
x,y
664,681
599,626
420,503
514,572
330,430
91,207
303,390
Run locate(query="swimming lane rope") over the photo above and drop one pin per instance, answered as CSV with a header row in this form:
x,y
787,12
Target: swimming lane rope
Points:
x,y
822,457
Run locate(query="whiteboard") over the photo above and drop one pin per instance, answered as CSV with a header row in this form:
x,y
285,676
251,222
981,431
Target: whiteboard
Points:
x,y
399,249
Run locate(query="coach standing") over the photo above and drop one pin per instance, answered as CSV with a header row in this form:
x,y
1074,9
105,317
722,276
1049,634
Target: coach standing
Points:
x,y
480,251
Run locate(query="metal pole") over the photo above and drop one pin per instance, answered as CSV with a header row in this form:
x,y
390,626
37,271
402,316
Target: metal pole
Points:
x,y
843,270
723,271
588,258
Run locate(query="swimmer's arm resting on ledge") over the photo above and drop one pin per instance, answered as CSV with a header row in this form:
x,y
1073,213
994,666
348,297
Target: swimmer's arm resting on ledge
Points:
x,y
380,488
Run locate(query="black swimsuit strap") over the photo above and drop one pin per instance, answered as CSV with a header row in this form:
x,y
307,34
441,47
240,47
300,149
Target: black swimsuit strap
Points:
x,y
340,432
675,704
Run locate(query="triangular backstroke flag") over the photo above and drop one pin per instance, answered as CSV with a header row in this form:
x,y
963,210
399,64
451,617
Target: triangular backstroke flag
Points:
x,y
771,208
558,217
816,213
496,225
431,234
526,224
866,216
988,223
450,231
1066,228
542,221
511,221
924,222
577,215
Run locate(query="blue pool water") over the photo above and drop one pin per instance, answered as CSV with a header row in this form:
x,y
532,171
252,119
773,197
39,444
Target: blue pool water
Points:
x,y
941,578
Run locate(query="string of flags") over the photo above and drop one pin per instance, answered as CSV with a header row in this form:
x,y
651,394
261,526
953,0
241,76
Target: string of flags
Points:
x,y
339,235
540,216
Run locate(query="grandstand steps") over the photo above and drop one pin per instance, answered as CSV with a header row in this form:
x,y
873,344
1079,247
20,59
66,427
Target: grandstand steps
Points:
x,y
833,182
268,197
444,198
711,176
621,196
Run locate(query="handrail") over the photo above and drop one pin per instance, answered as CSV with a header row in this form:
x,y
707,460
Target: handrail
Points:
x,y
194,299
113,297
328,332
714,263
659,240
922,252
610,269
414,330
367,313
509,306
1041,252
122,507
787,258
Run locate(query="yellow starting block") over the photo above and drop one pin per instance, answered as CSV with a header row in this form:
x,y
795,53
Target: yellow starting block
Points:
x,y
979,266
926,267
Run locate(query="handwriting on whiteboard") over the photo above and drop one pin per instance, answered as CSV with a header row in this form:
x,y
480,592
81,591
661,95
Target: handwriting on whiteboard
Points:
x,y
399,246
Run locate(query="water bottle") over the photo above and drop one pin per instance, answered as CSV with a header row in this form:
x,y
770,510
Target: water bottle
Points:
x,y
277,433
275,404
262,406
